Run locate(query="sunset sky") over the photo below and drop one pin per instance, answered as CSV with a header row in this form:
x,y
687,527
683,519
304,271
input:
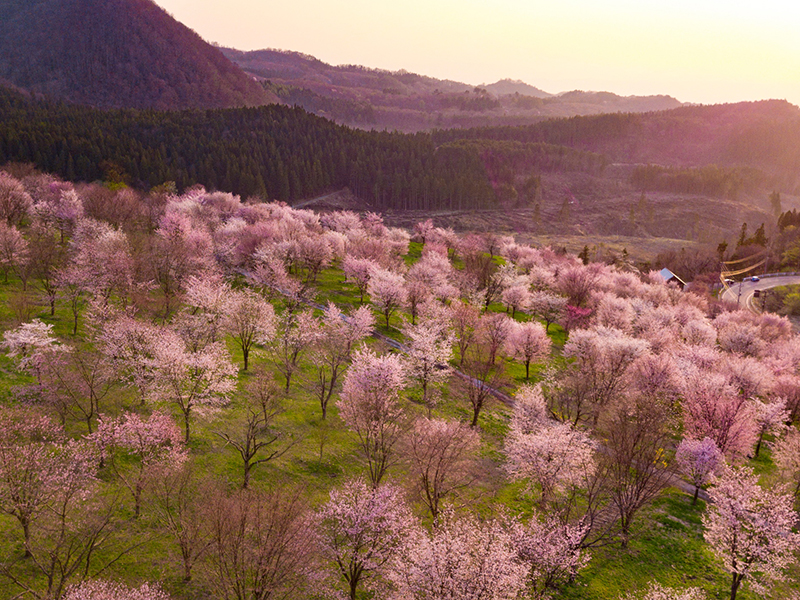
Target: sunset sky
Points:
x,y
698,51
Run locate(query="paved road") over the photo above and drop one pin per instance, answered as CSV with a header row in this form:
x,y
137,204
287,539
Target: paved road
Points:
x,y
746,299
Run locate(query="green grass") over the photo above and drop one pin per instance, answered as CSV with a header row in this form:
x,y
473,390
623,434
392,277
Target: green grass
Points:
x,y
666,546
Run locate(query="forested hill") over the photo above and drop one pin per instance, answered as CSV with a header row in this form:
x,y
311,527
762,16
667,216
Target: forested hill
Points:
x,y
760,134
116,53
272,151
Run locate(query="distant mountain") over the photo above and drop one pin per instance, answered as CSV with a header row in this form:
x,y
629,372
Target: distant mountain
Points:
x,y
403,101
506,87
116,53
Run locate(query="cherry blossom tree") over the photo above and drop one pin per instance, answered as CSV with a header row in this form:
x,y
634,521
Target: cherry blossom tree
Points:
x,y
552,550
333,345
45,257
105,590
180,250
295,334
361,528
369,406
191,381
138,450
699,460
713,409
464,319
387,291
577,283
429,349
516,297
181,503
749,528
786,455
528,342
770,417
250,320
602,357
636,432
73,524
462,558
554,456
30,466
359,270
29,342
13,250
15,201
129,346
74,283
76,380
548,307
262,545
575,317
481,377
441,458
208,304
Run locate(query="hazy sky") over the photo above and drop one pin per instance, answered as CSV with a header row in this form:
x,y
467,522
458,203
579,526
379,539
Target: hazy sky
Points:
x,y
696,50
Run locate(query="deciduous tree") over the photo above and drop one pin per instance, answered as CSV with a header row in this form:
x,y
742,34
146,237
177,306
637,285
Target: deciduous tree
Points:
x,y
749,528
361,528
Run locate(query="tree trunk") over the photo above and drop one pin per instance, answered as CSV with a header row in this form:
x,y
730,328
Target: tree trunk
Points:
x,y
735,581
696,492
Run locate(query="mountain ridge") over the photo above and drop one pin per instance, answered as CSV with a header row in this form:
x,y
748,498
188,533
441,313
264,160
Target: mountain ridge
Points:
x,y
117,53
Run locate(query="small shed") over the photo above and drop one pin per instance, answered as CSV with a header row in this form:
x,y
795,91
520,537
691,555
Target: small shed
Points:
x,y
669,277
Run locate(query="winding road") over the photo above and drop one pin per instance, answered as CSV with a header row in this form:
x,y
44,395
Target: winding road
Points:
x,y
743,291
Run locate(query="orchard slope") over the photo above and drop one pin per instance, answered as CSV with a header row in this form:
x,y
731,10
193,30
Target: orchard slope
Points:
x,y
179,419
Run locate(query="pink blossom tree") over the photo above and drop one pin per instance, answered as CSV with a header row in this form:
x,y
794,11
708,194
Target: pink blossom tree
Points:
x,y
441,457
361,528
15,201
129,347
387,292
516,297
250,319
429,349
548,307
602,358
553,456
461,558
191,381
699,460
749,528
29,465
295,335
713,409
263,545
359,271
786,455
76,380
529,343
13,249
464,319
771,418
333,346
493,331
369,406
137,450
552,550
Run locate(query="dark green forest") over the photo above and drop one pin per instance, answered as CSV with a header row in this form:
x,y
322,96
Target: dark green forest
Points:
x,y
274,152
